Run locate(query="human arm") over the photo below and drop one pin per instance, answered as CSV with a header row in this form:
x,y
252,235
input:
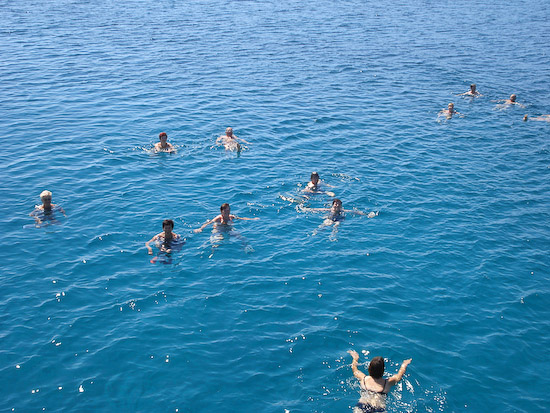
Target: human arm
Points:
x,y
397,377
245,219
242,140
356,372
371,214
354,211
303,208
34,214
149,249
58,208
203,226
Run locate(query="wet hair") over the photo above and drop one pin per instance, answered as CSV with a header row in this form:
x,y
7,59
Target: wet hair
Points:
x,y
168,222
376,367
473,85
335,200
162,135
316,174
45,194
226,205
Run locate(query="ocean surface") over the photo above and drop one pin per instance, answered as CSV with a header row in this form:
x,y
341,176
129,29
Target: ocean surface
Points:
x,y
453,272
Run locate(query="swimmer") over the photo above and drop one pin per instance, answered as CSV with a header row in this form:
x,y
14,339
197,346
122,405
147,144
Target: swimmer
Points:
x,y
337,212
541,118
472,92
336,215
225,218
374,387
45,211
165,240
314,185
163,145
508,102
450,111
230,141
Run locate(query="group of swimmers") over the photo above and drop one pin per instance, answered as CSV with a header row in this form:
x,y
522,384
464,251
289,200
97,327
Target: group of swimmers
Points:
x,y
501,104
167,240
230,141
373,387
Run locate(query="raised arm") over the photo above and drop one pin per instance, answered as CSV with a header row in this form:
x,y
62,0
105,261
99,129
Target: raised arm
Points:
x,y
356,372
397,377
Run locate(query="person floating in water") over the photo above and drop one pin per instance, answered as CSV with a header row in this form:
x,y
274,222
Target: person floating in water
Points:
x,y
315,185
163,145
508,102
374,387
336,215
230,141
472,92
223,225
44,214
541,118
450,111
225,218
166,241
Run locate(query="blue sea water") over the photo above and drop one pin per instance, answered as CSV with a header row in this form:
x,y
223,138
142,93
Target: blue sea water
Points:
x,y
453,272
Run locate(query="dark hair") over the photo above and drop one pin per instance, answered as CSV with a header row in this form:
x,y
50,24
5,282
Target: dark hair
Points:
x,y
162,134
473,85
168,222
226,205
335,200
314,174
376,367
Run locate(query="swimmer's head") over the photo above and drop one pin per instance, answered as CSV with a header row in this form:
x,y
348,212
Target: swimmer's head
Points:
x,y
225,207
163,136
525,117
314,178
167,225
451,106
473,87
513,97
229,132
46,195
376,367
336,205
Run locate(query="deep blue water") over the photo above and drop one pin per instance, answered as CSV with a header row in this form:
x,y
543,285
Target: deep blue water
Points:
x,y
453,272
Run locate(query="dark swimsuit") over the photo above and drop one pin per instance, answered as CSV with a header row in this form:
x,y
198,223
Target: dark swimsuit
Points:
x,y
368,408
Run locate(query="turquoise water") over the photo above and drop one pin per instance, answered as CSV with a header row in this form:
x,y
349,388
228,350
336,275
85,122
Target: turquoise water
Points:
x,y
453,272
